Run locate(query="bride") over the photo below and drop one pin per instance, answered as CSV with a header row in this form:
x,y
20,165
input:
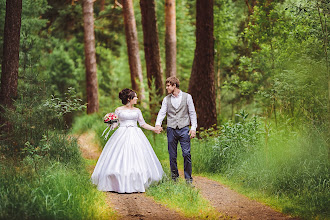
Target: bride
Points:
x,y
127,163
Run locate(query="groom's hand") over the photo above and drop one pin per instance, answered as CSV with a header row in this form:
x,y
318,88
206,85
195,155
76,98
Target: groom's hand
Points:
x,y
192,134
158,129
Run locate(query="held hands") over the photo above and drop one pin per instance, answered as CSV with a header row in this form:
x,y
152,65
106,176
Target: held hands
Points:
x,y
158,129
192,134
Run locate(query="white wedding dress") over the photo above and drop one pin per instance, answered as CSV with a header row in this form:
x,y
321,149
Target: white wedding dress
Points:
x,y
127,163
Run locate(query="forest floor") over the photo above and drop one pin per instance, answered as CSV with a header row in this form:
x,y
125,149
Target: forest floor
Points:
x,y
229,203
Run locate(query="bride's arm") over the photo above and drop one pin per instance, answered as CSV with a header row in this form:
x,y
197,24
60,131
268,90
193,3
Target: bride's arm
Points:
x,y
115,125
143,124
148,127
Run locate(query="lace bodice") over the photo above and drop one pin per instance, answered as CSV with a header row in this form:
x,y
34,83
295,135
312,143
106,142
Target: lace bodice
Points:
x,y
130,117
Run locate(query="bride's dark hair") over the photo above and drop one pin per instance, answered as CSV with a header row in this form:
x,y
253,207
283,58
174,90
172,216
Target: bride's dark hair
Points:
x,y
126,94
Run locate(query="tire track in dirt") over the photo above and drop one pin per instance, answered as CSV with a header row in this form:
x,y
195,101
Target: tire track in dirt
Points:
x,y
127,206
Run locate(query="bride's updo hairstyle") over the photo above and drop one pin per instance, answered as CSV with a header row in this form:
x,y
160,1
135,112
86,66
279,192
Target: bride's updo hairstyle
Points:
x,y
126,95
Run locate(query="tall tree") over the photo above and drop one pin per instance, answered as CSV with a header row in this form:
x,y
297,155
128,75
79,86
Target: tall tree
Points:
x,y
102,5
10,62
201,84
151,45
133,48
90,57
170,38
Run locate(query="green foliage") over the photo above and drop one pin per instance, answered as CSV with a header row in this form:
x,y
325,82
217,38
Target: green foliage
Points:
x,y
36,153
227,15
55,192
287,163
63,71
281,46
33,118
232,141
60,108
186,42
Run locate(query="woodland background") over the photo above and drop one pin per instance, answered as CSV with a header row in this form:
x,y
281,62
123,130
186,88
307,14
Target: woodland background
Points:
x,y
258,72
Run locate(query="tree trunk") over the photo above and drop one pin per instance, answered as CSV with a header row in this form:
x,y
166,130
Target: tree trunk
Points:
x,y
218,86
10,62
151,45
201,84
170,38
133,48
90,58
102,5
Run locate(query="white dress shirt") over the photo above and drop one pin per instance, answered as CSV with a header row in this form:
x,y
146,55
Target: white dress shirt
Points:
x,y
176,101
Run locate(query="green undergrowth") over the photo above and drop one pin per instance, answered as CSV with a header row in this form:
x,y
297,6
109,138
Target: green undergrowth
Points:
x,y
52,191
49,181
286,166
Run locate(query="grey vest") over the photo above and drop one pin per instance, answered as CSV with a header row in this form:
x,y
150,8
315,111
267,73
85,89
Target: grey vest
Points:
x,y
178,118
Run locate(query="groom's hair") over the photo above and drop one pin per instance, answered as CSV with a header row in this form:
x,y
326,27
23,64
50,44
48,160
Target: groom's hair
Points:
x,y
173,81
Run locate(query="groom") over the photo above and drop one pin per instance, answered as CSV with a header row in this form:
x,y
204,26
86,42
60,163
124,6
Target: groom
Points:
x,y
180,110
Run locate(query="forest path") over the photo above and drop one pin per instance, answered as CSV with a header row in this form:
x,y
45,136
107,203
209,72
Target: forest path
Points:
x,y
231,203
139,206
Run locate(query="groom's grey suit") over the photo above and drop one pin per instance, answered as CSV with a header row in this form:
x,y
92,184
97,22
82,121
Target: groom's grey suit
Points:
x,y
180,113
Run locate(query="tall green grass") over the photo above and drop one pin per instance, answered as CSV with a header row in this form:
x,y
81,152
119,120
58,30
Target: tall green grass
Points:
x,y
288,163
49,181
55,192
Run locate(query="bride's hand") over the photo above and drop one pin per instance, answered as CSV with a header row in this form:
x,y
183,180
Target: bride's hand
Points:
x,y
158,129
115,125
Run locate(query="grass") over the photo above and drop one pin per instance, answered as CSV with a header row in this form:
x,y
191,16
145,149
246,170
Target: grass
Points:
x,y
54,191
289,169
49,181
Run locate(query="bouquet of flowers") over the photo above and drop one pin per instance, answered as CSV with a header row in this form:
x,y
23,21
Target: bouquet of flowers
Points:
x,y
110,118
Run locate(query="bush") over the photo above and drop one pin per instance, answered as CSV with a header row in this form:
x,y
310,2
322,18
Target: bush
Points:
x,y
220,153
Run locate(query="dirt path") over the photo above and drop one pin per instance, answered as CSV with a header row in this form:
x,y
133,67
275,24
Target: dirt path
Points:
x,y
232,203
139,206
127,206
